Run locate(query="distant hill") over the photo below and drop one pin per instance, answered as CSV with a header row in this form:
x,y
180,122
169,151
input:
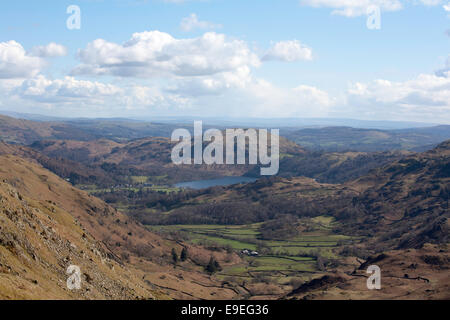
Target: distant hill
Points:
x,y
369,140
26,132
241,122
149,156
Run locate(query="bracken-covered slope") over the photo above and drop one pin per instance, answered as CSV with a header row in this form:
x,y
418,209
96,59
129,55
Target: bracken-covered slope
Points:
x,y
413,274
47,225
406,203
39,239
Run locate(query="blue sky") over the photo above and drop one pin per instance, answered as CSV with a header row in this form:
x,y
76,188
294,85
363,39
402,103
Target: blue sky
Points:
x,y
253,58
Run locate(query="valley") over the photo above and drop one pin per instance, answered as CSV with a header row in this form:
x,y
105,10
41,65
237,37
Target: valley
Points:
x,y
143,228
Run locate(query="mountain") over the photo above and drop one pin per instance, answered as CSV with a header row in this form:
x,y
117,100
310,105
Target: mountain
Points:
x,y
334,139
406,203
26,132
334,167
40,236
150,157
47,225
360,137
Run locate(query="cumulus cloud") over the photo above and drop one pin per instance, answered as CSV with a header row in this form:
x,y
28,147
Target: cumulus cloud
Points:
x,y
15,62
218,84
446,7
288,51
87,98
425,97
155,53
49,51
192,22
65,90
261,98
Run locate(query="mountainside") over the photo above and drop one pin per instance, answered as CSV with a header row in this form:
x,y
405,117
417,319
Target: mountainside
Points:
x,y
416,274
333,167
149,157
47,225
406,202
39,239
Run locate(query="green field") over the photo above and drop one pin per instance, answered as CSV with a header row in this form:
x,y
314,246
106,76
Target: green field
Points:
x,y
278,258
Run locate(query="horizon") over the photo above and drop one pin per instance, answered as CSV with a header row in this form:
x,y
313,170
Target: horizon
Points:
x,y
303,123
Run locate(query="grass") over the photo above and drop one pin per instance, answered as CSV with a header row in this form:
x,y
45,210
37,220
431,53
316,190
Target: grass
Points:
x,y
286,256
139,179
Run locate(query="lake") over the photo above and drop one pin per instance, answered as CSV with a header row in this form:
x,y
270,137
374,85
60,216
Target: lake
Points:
x,y
203,184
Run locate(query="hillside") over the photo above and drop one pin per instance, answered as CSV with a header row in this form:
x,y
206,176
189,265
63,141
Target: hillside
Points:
x,y
416,274
334,167
46,225
150,157
39,239
25,132
405,203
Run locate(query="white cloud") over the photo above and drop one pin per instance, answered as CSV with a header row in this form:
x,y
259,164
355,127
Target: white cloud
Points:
x,y
190,23
16,63
86,98
260,98
155,54
65,90
288,51
446,7
218,84
268,100
49,51
353,8
427,97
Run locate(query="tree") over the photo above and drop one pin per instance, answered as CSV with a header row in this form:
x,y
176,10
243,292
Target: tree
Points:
x,y
213,266
184,254
174,256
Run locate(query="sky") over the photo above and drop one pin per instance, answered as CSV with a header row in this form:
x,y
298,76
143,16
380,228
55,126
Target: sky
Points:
x,y
367,59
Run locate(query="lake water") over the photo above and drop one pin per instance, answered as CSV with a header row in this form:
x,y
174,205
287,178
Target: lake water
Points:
x,y
203,184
